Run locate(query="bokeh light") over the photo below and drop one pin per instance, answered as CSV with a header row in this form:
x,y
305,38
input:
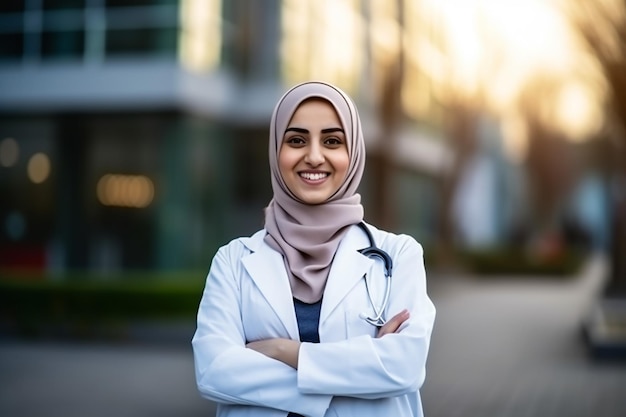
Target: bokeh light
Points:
x,y
9,152
38,168
15,225
135,191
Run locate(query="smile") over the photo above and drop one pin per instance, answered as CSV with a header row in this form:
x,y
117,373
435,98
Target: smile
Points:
x,y
314,176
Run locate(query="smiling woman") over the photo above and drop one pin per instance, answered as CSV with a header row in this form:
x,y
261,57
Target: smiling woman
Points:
x,y
284,324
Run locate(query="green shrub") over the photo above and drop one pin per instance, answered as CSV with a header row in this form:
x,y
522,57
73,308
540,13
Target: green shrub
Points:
x,y
30,303
516,261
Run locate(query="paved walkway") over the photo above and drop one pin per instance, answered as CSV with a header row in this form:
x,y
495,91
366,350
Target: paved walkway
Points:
x,y
513,348
501,348
86,380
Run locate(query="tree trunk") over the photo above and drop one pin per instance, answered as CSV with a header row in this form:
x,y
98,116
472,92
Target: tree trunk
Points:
x,y
390,116
617,281
464,142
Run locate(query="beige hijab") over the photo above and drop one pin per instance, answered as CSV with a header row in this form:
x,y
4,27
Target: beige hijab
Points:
x,y
308,235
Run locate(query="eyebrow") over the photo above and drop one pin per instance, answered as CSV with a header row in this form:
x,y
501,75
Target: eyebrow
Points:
x,y
301,130
296,129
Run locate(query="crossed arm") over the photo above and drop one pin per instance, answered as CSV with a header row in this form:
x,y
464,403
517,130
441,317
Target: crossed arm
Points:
x,y
287,350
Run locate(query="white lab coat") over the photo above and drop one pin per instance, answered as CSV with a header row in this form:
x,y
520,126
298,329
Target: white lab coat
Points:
x,y
350,372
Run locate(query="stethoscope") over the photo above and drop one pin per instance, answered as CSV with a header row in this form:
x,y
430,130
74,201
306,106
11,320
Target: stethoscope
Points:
x,y
375,252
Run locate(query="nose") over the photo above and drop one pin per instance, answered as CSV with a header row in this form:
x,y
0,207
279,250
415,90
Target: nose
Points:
x,y
314,155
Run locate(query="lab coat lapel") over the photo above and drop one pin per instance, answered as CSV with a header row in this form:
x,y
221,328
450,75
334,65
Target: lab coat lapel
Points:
x,y
348,267
267,269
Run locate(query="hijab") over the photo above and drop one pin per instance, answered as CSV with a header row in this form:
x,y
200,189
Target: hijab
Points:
x,y
308,235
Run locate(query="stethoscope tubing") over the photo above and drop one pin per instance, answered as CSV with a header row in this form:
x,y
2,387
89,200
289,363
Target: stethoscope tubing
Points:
x,y
374,251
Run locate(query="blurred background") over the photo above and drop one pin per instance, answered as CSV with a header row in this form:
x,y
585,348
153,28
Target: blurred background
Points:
x,y
133,143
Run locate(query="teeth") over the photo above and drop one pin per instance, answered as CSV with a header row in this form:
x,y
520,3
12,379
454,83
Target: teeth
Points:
x,y
313,176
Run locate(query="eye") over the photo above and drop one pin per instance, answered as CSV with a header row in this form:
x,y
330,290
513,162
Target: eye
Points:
x,y
295,140
333,141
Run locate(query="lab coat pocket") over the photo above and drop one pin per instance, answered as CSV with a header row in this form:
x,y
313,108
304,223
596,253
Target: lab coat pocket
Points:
x,y
357,308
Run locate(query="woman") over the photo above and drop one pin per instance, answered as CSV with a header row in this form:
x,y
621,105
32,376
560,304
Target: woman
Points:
x,y
282,324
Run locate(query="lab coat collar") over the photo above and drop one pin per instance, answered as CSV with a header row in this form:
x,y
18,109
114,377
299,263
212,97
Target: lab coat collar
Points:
x,y
348,267
267,269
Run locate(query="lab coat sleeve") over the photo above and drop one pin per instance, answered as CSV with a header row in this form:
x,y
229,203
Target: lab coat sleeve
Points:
x,y
367,367
228,372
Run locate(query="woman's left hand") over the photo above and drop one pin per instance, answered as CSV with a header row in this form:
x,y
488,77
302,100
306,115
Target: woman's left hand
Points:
x,y
284,350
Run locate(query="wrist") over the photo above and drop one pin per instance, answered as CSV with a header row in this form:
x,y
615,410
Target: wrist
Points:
x,y
288,352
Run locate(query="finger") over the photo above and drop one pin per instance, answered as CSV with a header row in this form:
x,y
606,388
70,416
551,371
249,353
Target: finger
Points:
x,y
388,328
255,345
394,323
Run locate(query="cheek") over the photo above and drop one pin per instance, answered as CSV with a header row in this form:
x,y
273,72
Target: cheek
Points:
x,y
342,163
286,161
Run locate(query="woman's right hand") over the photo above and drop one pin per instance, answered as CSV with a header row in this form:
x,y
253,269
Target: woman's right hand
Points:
x,y
394,323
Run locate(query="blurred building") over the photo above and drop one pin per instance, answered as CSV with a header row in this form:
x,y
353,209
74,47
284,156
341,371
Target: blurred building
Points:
x,y
133,133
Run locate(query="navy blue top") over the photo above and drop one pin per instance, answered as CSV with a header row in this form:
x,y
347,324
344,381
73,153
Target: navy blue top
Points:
x,y
308,316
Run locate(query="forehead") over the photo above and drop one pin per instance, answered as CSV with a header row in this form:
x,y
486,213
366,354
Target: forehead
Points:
x,y
287,106
314,110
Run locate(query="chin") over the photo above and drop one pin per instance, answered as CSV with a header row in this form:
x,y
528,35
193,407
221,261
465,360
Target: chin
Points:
x,y
313,200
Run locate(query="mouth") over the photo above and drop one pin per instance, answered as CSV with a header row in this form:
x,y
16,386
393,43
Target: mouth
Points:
x,y
313,176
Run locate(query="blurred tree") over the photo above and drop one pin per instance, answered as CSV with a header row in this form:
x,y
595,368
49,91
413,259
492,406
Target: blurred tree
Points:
x,y
389,110
551,164
390,116
601,25
461,126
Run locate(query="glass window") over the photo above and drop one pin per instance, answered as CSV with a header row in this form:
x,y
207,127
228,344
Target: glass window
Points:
x,y
12,6
63,44
251,177
29,179
11,46
64,20
201,34
63,4
163,41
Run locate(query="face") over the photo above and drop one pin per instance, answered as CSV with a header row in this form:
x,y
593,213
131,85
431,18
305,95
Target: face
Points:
x,y
313,158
